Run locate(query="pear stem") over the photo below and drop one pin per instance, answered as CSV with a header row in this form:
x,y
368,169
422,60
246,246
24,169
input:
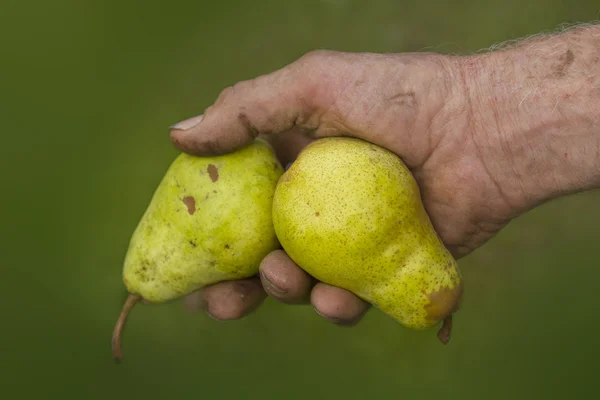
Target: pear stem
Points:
x,y
131,301
445,331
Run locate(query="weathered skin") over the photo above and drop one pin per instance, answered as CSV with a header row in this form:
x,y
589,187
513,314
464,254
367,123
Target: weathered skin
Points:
x,y
209,221
350,214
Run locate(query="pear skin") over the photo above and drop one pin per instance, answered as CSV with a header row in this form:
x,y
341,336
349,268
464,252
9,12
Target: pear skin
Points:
x,y
209,220
350,214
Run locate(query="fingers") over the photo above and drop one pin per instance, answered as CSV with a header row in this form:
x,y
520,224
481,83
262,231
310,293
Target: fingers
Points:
x,y
338,305
283,280
228,300
288,145
267,105
288,283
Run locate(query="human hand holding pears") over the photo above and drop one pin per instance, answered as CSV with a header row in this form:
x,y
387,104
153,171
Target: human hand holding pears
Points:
x,y
375,242
396,261
213,219
455,125
438,160
412,105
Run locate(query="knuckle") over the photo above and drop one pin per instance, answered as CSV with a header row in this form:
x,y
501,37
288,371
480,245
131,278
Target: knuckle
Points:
x,y
232,91
237,88
316,56
225,94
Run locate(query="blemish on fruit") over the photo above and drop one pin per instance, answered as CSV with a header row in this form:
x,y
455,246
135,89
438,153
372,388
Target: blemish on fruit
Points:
x,y
317,213
443,302
190,203
213,172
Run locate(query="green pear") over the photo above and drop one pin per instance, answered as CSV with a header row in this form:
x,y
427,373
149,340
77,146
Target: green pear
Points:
x,y
350,214
209,220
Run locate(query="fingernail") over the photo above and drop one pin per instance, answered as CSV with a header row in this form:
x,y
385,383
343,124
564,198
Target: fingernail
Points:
x,y
271,288
210,315
337,321
188,123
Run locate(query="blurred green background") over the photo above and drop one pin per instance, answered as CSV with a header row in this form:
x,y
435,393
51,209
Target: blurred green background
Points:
x,y
88,91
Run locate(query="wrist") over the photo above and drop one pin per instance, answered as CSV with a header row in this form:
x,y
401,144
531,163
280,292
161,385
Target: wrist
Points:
x,y
535,115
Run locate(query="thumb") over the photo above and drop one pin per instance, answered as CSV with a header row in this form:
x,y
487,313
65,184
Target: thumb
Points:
x,y
267,105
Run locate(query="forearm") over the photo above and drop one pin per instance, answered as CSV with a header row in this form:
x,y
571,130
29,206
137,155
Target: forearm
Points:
x,y
539,102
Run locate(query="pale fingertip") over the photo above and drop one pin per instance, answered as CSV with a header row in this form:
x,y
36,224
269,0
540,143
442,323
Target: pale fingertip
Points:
x,y
271,288
339,321
188,123
338,305
212,316
284,280
233,300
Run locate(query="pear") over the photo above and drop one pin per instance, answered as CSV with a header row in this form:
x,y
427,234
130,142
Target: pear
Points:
x,y
350,214
209,220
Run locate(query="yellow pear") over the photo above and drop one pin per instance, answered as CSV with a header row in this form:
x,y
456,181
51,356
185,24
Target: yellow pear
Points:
x,y
350,214
209,220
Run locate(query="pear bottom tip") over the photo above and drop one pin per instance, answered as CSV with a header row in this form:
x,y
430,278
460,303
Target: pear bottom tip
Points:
x,y
445,332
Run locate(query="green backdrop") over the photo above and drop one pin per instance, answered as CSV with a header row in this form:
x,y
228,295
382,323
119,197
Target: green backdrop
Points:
x,y
88,91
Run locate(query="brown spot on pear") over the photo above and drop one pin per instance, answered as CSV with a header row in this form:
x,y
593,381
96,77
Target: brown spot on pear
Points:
x,y
180,254
213,172
410,275
190,203
443,302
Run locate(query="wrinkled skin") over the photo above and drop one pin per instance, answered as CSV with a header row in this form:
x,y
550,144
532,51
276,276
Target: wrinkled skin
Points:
x,y
481,143
412,104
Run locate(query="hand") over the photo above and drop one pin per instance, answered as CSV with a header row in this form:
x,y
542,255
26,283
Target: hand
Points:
x,y
412,104
430,109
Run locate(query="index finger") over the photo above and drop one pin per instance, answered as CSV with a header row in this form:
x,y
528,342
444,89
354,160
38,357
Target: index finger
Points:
x,y
270,104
